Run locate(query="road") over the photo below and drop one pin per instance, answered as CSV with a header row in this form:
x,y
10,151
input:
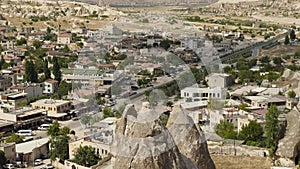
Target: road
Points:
x,y
250,49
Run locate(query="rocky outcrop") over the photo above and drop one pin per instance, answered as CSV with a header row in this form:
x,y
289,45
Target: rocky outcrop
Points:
x,y
190,140
142,142
289,146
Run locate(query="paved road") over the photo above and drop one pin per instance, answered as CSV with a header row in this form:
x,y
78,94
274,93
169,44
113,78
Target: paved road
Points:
x,y
249,49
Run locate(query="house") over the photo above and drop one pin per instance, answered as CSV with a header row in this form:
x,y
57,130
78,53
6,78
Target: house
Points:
x,y
266,101
6,127
197,94
64,38
219,80
33,90
50,86
9,150
5,82
12,98
30,151
57,109
24,117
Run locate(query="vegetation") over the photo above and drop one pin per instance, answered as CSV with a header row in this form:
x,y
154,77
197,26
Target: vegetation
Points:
x,y
86,156
292,94
56,69
272,129
251,132
30,72
287,40
2,158
58,140
14,138
225,129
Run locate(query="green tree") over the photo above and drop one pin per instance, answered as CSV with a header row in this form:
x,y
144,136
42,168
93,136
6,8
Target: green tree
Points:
x,y
64,88
107,112
56,69
21,41
2,158
277,60
86,156
58,140
292,35
272,129
169,103
287,40
85,119
225,129
53,130
251,132
165,44
37,44
30,72
292,94
47,72
2,61
15,138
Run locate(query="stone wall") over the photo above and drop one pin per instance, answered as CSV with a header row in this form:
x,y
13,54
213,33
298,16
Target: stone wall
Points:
x,y
238,150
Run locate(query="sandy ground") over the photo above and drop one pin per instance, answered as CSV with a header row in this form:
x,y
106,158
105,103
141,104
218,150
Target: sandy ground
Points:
x,y
239,162
234,1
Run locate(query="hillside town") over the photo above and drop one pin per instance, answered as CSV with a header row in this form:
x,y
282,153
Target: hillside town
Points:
x,y
96,87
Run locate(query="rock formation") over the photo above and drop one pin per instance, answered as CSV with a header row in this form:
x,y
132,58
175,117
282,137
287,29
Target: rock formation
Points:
x,y
140,142
190,140
289,146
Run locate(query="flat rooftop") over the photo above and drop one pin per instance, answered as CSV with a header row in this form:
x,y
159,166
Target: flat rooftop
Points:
x,y
50,102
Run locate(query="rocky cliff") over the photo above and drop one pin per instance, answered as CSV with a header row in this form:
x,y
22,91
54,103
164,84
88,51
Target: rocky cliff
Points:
x,y
289,146
140,143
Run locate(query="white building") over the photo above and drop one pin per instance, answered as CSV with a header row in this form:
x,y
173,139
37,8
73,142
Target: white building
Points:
x,y
219,80
50,86
64,38
196,93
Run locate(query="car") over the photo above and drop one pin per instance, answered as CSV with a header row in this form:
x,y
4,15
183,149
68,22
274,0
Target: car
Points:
x,y
49,166
44,127
8,166
75,118
38,162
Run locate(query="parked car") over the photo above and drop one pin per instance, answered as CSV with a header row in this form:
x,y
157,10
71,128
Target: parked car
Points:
x,y
25,133
49,166
44,127
38,162
8,166
75,118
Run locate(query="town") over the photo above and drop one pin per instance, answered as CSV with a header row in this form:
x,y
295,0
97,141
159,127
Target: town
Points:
x,y
86,85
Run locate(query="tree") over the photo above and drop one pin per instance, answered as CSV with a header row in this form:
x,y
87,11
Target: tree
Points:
x,y
169,103
86,156
2,61
287,40
64,88
37,44
272,129
47,72
107,112
53,130
21,41
58,140
56,69
292,35
2,158
277,60
251,132
85,119
225,129
292,94
165,44
30,72
14,138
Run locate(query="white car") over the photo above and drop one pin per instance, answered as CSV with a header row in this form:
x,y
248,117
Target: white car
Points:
x,y
8,166
38,162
